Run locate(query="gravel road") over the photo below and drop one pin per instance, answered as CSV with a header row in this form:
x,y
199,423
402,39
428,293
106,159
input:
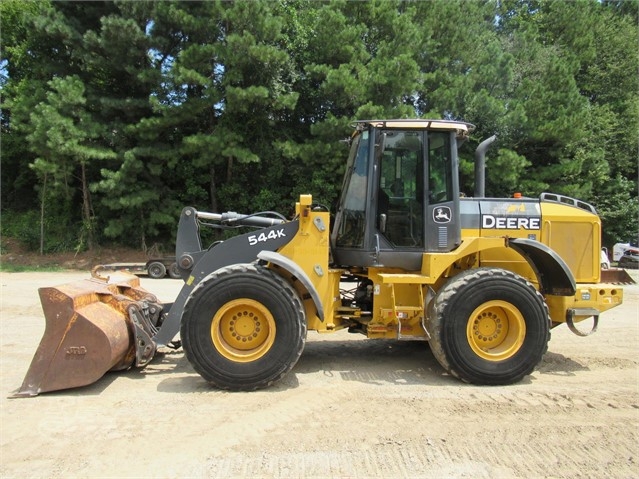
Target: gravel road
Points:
x,y
351,408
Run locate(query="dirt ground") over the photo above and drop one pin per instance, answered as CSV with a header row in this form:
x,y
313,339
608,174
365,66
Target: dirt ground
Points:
x,y
351,408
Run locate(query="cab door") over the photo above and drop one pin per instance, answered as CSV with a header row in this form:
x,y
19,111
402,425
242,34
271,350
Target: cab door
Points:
x,y
417,199
443,230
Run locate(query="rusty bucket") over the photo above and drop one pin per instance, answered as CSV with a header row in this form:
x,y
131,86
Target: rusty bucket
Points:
x,y
88,332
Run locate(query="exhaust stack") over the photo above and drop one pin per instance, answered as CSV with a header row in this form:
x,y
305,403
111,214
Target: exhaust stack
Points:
x,y
480,166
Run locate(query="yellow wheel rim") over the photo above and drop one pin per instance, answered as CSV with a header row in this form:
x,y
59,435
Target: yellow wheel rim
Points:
x,y
243,330
496,330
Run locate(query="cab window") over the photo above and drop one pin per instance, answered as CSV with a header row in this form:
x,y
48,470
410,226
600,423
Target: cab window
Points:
x,y
351,229
401,188
440,181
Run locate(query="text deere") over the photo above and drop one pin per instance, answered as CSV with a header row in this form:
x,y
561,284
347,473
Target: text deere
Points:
x,y
510,223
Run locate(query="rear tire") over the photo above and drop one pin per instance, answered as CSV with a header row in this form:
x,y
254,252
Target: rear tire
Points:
x,y
488,326
243,328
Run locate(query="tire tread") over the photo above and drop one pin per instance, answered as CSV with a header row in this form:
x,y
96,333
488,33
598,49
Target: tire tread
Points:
x,y
193,353
442,302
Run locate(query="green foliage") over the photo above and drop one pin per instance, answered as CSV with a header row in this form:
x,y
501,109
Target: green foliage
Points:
x,y
24,226
618,206
115,115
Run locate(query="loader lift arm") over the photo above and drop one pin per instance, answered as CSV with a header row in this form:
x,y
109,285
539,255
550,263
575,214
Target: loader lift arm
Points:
x,y
196,264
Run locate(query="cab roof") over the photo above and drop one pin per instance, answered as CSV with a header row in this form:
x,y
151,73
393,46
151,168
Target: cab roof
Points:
x,y
462,128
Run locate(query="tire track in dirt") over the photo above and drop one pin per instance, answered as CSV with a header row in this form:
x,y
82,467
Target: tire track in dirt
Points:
x,y
484,457
547,438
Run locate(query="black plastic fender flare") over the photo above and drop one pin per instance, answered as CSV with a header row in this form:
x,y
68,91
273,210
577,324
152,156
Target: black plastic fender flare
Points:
x,y
294,269
553,273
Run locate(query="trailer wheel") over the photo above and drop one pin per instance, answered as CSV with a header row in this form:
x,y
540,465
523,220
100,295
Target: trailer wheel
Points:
x,y
243,328
174,272
488,326
156,270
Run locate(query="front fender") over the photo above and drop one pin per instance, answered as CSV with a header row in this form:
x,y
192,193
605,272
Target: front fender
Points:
x,y
294,269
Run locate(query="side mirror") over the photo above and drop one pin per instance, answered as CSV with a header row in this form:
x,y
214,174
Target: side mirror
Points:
x,y
382,223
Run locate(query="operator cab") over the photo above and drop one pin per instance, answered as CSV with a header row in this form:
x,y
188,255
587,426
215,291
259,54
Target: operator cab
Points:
x,y
400,196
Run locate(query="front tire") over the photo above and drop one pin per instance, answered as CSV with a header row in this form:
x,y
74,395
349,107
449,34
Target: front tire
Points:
x,y
243,328
488,326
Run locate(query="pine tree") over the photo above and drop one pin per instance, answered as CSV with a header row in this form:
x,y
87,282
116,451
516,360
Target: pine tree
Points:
x,y
64,138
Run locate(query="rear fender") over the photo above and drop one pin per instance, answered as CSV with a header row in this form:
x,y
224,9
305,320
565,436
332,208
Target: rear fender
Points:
x,y
553,273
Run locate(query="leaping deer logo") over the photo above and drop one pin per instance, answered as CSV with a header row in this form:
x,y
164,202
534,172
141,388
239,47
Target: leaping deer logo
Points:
x,y
442,214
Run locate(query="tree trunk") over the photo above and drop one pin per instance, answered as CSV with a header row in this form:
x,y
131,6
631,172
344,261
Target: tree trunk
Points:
x,y
213,189
86,209
42,201
229,169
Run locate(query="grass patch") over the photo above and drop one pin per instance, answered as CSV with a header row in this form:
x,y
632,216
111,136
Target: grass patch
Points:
x,y
28,268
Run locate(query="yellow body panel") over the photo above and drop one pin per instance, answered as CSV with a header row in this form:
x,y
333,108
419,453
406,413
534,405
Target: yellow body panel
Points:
x,y
575,235
399,306
588,296
309,250
508,258
401,298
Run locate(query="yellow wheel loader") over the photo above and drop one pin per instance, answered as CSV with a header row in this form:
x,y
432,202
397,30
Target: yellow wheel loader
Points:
x,y
406,256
